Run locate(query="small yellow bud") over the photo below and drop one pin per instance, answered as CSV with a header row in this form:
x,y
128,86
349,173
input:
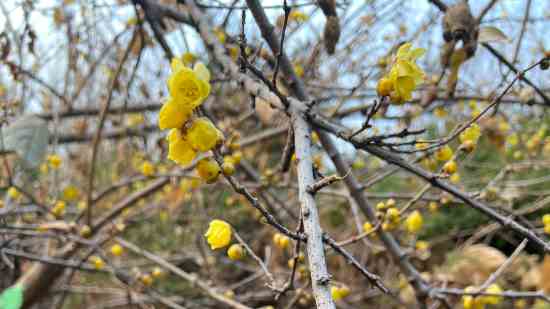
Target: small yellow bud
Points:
x,y
116,250
450,167
98,262
157,272
235,252
228,168
384,87
85,231
468,146
367,227
146,279
147,169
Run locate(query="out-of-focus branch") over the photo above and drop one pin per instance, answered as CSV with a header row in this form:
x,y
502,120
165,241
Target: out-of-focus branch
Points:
x,y
182,274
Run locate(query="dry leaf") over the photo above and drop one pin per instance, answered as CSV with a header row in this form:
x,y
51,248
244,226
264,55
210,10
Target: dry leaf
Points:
x,y
492,34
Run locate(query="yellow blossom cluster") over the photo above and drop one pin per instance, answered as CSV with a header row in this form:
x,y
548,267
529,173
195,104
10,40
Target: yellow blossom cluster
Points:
x,y
189,135
404,76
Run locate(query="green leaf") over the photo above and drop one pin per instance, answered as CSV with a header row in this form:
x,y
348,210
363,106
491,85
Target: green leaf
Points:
x,y
28,137
12,298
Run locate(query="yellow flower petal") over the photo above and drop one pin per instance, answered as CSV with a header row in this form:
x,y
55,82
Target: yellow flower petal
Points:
x,y
203,135
179,149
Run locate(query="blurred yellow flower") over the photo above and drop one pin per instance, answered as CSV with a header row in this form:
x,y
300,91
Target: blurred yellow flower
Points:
x,y
70,193
444,153
147,168
54,161
414,222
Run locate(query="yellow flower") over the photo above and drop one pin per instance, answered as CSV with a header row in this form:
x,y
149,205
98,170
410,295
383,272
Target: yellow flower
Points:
x,y
405,74
450,167
179,150
147,168
367,227
455,178
433,206
422,245
297,16
116,250
218,234
546,219
208,170
492,300
339,292
173,115
299,70
146,279
157,272
13,193
237,156
188,58
228,167
472,133
235,252
203,135
189,86
414,222
445,153
512,139
98,262
59,209
54,161
220,34
70,193
393,215
468,301
281,241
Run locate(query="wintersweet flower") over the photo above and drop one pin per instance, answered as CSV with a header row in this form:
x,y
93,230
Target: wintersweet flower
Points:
x,y
218,234
472,133
405,74
189,86
203,135
443,154
414,222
